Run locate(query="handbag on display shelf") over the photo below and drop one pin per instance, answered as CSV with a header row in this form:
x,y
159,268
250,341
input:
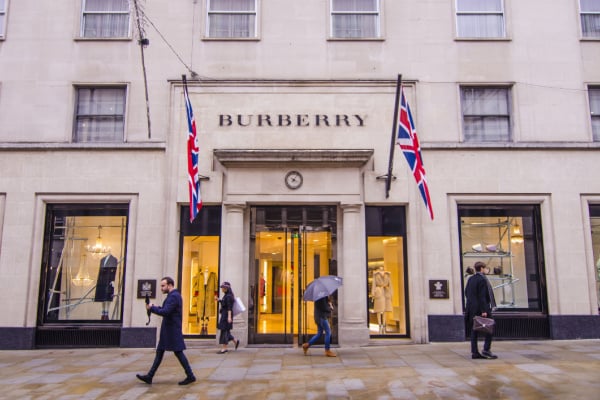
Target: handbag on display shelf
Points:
x,y
483,325
238,307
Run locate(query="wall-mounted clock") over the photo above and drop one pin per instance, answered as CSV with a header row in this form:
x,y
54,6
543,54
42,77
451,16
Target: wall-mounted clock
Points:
x,y
293,179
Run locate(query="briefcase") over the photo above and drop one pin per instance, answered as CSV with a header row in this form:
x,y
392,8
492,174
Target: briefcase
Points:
x,y
483,325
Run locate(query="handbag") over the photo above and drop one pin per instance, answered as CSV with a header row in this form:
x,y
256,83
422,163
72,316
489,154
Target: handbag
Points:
x,y
238,307
483,325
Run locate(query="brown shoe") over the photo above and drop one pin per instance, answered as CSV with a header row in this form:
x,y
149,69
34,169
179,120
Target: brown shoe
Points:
x,y
305,347
330,353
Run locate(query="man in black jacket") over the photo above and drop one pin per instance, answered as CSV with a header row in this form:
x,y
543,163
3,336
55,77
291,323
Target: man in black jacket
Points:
x,y
323,308
480,301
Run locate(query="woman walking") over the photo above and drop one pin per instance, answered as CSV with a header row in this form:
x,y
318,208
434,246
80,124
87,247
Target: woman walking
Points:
x,y
226,318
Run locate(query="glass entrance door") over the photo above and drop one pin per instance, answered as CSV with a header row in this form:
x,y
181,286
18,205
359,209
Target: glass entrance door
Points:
x,y
291,246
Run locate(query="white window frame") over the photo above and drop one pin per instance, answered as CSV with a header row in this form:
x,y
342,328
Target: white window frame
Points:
x,y
85,13
594,100
486,117
251,35
118,136
501,13
333,13
594,14
3,18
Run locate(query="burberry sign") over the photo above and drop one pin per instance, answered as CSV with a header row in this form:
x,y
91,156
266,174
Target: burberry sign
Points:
x,y
292,120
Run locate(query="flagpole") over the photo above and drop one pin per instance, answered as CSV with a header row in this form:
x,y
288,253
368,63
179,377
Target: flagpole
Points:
x,y
389,177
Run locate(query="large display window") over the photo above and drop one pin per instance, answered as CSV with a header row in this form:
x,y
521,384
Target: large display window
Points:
x,y
507,238
83,263
595,225
387,289
199,270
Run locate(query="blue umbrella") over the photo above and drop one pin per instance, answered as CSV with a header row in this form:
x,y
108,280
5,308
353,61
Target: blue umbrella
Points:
x,y
321,287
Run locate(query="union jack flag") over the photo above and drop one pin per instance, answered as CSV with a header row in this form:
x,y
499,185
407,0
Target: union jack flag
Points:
x,y
192,156
409,144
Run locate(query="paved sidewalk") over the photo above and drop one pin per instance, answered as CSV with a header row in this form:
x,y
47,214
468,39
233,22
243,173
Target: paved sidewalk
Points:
x,y
525,370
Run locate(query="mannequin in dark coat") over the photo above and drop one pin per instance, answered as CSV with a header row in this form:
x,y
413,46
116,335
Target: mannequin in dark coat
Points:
x,y
171,336
480,300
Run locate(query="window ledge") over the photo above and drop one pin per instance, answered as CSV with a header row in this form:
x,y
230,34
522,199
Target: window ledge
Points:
x,y
336,39
476,39
119,39
235,39
44,146
512,146
590,39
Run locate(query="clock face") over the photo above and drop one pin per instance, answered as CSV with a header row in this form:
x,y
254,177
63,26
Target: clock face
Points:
x,y
293,179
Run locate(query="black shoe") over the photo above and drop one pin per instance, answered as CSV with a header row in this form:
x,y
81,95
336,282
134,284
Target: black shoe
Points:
x,y
188,380
237,343
144,378
476,356
488,355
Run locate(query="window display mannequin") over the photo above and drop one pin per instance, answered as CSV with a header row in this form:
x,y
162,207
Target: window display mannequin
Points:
x,y
105,286
382,296
205,281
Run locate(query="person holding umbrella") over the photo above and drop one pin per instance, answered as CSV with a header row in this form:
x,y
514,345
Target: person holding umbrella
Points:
x,y
319,291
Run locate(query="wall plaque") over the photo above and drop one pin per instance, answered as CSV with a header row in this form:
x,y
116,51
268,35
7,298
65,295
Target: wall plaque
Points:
x,y
146,287
438,289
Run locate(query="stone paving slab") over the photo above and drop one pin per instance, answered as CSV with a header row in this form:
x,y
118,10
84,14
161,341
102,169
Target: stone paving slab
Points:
x,y
525,370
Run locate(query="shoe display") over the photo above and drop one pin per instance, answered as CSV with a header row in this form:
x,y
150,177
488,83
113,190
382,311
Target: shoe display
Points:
x,y
144,378
330,353
489,355
237,343
305,347
188,380
476,356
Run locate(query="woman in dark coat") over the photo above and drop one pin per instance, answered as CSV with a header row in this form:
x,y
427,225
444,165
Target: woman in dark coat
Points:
x,y
226,318
171,336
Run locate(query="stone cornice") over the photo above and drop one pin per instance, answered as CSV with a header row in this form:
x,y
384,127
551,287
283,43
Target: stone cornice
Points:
x,y
333,157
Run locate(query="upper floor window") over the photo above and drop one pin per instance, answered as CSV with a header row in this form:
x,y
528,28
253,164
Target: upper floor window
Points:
x,y
590,18
231,19
486,114
594,93
480,19
105,19
3,6
100,114
355,19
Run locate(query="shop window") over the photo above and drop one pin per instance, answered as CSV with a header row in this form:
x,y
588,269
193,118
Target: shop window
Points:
x,y
480,19
199,270
232,19
486,113
386,271
102,19
595,224
100,114
590,18
594,95
508,240
3,7
83,263
355,19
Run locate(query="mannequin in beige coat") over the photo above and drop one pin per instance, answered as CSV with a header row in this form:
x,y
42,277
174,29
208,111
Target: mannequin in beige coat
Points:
x,y
382,296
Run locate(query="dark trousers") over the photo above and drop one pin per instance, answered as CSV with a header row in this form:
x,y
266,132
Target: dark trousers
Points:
x,y
180,356
487,344
225,336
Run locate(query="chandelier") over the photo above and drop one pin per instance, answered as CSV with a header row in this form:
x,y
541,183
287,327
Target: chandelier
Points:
x,y
97,249
83,276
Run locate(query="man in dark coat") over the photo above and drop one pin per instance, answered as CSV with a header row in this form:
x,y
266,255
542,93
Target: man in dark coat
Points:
x,y
171,336
480,301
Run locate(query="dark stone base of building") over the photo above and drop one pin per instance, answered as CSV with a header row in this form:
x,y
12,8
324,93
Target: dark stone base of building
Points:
x,y
563,327
80,337
446,328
